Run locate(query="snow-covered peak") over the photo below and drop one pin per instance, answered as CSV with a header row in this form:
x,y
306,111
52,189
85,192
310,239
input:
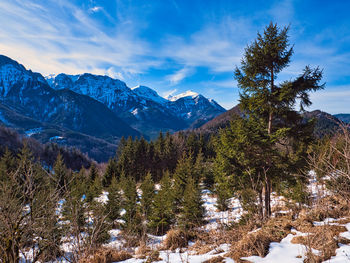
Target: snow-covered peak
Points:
x,y
148,93
188,93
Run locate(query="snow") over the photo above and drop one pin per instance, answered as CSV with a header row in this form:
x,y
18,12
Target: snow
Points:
x,y
33,131
216,218
284,251
343,252
179,256
188,93
56,138
149,93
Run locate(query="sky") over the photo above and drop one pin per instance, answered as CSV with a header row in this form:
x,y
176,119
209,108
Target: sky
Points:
x,y
173,46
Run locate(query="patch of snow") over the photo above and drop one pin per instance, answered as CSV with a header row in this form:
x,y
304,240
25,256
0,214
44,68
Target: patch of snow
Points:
x,y
188,93
56,138
343,252
215,217
33,131
285,252
149,93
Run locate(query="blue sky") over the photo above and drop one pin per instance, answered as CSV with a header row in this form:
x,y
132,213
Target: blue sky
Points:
x,y
173,46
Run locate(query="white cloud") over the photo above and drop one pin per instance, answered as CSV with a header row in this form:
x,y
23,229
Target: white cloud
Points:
x,y
334,99
217,46
95,9
111,72
178,76
169,93
69,41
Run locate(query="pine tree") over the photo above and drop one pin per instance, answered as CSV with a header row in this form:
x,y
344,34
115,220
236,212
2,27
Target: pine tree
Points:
x,y
192,211
111,172
93,172
223,191
60,174
261,98
113,206
147,188
94,190
162,213
199,167
130,198
7,164
184,170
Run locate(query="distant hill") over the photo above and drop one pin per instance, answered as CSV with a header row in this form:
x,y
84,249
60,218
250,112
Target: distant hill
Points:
x,y
325,122
45,153
344,117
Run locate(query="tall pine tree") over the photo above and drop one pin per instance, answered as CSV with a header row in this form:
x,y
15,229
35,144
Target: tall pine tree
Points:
x,y
262,98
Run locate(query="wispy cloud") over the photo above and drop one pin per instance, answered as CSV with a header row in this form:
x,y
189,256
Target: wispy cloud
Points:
x,y
169,93
334,99
95,9
69,42
179,75
217,46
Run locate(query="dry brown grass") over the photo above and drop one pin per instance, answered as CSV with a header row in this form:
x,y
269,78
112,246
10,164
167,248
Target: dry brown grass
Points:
x,y
323,238
106,255
218,259
153,256
258,242
175,238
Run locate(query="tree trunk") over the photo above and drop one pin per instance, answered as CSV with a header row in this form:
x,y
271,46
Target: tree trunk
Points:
x,y
261,205
267,197
269,126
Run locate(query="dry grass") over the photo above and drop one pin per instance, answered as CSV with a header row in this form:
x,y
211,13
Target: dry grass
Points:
x,y
153,256
105,255
218,259
258,242
323,238
175,238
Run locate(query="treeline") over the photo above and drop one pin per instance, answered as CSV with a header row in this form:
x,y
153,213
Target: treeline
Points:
x,y
137,157
45,153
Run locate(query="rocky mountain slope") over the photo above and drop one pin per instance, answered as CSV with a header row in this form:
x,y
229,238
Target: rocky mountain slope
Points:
x,y
92,112
30,105
141,107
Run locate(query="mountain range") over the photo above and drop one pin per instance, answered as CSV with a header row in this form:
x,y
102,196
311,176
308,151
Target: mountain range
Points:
x,y
92,112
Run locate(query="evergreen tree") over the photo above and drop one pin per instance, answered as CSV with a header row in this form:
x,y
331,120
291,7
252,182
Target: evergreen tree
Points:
x,y
147,188
7,165
111,172
93,173
162,212
95,189
113,205
223,191
192,211
261,98
130,198
60,174
184,170
199,167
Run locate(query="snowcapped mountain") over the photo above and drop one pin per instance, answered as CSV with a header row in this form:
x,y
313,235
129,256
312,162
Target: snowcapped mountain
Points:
x,y
150,94
141,106
27,96
188,93
63,108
